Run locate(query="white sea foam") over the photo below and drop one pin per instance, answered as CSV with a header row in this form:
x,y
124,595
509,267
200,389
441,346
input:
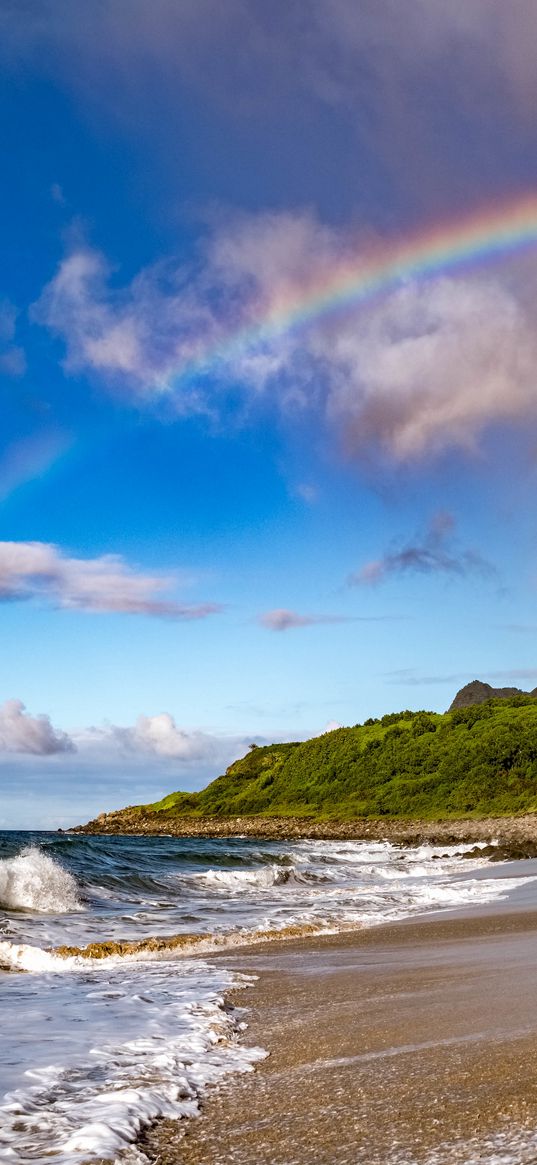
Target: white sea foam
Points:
x,y
264,878
94,1050
25,957
177,1039
32,880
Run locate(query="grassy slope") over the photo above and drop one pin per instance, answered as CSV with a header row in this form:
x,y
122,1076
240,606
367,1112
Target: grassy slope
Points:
x,y
474,761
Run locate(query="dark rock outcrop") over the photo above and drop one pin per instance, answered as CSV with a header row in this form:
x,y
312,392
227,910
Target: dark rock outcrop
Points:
x,y
478,692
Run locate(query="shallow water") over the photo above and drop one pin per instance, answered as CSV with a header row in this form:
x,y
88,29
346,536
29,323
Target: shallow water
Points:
x,y
94,1050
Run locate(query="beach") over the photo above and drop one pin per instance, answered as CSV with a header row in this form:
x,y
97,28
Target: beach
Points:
x,y
161,1004
411,1042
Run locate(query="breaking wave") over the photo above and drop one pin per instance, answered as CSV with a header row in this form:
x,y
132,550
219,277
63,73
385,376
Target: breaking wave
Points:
x,y
34,881
259,879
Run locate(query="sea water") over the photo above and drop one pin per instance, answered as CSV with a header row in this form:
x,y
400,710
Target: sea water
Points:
x,y
95,1049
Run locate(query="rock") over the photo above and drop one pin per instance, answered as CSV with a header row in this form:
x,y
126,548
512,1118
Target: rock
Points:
x,y
478,692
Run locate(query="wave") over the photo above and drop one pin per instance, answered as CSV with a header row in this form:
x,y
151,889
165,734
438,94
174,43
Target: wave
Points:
x,y
24,957
259,879
111,952
33,881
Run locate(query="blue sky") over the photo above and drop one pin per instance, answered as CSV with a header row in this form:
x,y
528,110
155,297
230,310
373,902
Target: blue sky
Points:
x,y
323,525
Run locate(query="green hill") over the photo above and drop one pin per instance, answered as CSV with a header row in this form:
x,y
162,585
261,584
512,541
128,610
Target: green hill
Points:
x,y
473,761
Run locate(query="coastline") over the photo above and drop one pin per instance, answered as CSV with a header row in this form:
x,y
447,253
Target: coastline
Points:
x,y
511,831
408,1042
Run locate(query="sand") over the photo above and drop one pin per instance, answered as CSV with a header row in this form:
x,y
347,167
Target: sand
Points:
x,y
413,1042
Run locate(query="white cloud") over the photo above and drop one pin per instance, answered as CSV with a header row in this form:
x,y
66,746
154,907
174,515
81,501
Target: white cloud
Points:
x,y
153,743
429,366
332,726
160,736
157,737
40,570
134,338
432,367
22,733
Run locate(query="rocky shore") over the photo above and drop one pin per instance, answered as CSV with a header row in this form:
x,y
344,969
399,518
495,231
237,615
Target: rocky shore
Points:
x,y
517,835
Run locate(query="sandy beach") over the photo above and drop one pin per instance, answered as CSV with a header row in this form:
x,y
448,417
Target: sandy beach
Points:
x,y
410,1042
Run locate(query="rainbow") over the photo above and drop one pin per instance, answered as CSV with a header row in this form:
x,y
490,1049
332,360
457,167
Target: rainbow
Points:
x,y
480,238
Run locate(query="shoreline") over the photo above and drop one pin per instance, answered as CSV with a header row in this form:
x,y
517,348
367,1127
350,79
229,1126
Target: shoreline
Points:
x,y
509,831
412,1041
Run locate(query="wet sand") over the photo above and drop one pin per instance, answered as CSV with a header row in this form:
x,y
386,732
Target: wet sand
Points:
x,y
413,1042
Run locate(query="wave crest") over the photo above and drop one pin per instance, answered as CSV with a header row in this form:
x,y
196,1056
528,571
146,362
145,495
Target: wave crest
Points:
x,y
262,878
34,881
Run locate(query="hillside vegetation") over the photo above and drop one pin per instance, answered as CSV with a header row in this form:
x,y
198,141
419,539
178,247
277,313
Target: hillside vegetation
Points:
x,y
473,761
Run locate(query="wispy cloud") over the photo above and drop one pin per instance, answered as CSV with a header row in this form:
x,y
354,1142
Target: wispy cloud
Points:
x,y
435,553
428,367
281,619
513,673
22,733
307,492
408,677
30,458
520,628
12,356
40,570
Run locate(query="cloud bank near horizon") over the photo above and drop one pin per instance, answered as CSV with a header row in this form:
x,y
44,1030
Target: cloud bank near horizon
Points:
x,y
157,739
107,584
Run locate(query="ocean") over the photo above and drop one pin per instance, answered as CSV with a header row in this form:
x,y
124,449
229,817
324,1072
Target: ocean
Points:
x,y
93,1050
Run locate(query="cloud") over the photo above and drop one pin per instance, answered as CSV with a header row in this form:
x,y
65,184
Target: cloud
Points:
x,y
12,357
57,194
283,620
40,570
134,338
434,554
432,367
30,458
160,736
514,673
22,733
177,331
427,367
520,628
307,492
450,86
332,726
157,739
408,677
153,743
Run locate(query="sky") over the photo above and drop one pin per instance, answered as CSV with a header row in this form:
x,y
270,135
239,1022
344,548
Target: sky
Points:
x,y
268,453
